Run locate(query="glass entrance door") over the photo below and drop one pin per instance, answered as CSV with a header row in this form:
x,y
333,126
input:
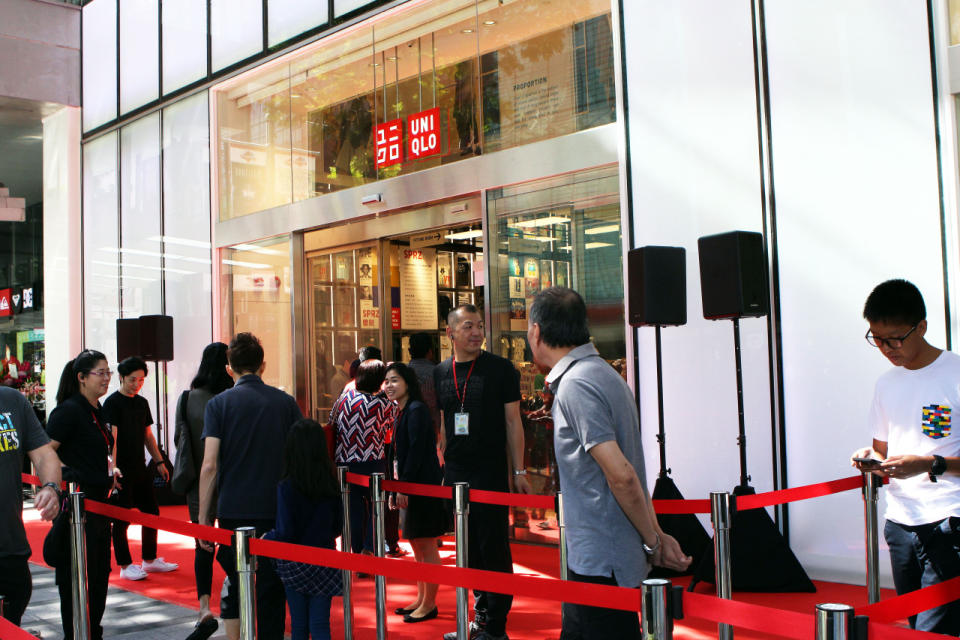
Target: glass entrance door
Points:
x,y
344,317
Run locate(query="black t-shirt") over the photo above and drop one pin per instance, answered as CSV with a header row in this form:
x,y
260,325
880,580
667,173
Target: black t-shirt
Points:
x,y
131,416
493,383
85,442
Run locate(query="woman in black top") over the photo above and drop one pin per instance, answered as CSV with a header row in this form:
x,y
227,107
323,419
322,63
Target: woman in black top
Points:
x,y
211,379
84,442
423,519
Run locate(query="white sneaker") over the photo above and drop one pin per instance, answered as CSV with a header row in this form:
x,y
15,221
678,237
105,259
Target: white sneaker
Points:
x,y
133,572
159,565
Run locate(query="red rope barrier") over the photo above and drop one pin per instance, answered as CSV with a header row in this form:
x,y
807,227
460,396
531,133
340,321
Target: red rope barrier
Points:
x,y
913,602
795,494
188,529
787,624
414,489
681,506
9,631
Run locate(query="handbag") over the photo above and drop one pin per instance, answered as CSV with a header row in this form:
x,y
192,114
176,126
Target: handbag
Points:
x,y
184,471
56,544
310,579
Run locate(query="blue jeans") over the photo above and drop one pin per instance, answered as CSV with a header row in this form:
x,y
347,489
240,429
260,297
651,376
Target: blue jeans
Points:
x,y
309,616
921,556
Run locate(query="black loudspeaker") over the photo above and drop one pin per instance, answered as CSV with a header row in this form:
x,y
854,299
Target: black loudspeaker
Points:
x,y
156,338
128,338
733,275
657,277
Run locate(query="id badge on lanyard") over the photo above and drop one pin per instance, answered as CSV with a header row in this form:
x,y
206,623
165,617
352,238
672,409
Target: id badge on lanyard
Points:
x,y
461,419
461,424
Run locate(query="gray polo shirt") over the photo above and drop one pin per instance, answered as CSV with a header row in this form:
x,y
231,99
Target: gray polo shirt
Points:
x,y
593,405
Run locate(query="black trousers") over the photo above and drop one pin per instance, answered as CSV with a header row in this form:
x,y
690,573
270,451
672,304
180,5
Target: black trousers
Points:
x,y
202,559
488,531
16,585
98,574
581,622
270,596
136,492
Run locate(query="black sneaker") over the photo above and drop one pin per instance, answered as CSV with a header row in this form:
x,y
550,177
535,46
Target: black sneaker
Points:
x,y
473,632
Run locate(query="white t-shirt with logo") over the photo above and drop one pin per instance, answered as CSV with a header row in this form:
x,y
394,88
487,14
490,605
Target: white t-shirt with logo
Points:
x,y
913,412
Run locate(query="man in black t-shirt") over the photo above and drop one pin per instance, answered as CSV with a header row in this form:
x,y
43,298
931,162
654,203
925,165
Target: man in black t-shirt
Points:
x,y
478,394
128,415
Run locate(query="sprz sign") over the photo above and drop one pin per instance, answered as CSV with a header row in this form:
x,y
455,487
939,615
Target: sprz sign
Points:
x,y
424,132
389,146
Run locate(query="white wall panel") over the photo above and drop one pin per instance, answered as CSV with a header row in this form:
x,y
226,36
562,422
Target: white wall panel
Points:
x,y
341,7
139,53
857,203
693,137
99,63
186,197
184,34
288,18
101,265
236,31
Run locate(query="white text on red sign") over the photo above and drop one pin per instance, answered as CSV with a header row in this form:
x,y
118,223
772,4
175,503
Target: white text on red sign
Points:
x,y
424,130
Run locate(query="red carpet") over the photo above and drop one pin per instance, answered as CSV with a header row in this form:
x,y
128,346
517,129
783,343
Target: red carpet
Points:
x,y
530,619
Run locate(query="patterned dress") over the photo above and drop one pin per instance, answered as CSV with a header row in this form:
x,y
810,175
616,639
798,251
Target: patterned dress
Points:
x,y
363,421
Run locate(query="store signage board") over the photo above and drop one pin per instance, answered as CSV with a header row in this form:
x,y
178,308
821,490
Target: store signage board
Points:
x,y
27,298
6,304
429,239
423,130
418,289
389,143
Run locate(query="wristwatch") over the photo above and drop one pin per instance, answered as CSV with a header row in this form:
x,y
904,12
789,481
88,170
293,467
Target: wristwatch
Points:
x,y
56,489
937,468
647,549
519,472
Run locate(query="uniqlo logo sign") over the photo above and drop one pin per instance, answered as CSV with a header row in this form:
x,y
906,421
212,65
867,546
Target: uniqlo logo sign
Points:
x,y
424,131
389,143
6,305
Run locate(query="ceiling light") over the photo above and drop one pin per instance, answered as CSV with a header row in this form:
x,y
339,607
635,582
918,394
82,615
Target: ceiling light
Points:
x,y
607,228
258,249
391,58
489,23
464,235
596,245
566,248
466,31
540,238
539,222
251,265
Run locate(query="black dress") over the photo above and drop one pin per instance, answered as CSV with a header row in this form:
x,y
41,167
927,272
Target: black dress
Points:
x,y
416,444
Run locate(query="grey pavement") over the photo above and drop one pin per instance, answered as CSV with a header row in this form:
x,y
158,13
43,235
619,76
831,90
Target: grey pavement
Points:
x,y
128,616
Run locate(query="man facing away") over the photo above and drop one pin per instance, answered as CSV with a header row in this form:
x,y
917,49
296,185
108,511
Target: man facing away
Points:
x,y
21,433
482,439
915,446
612,531
244,431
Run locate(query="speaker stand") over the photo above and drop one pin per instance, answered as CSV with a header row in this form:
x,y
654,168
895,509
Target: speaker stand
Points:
x,y
685,527
760,558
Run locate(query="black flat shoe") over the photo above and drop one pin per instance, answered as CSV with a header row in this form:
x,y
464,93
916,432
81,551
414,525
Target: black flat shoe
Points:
x,y
429,616
400,611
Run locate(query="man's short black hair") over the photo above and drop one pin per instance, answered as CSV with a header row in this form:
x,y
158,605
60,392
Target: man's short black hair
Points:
x,y
420,345
370,375
562,316
370,352
895,302
131,364
245,353
452,317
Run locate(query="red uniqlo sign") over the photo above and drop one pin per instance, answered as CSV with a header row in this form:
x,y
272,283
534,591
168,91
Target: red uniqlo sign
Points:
x,y
424,131
6,306
389,143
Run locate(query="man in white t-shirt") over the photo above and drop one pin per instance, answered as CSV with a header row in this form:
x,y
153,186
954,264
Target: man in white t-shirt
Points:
x,y
916,447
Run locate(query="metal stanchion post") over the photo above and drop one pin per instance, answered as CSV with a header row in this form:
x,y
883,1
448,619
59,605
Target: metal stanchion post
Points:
x,y
720,516
871,489
657,621
78,566
246,567
834,622
562,528
346,546
461,510
379,544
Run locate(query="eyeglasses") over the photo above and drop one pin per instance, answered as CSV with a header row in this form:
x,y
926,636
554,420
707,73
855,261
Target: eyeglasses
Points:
x,y
102,372
891,343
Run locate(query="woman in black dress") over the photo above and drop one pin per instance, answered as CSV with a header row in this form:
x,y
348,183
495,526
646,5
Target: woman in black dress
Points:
x,y
84,443
423,519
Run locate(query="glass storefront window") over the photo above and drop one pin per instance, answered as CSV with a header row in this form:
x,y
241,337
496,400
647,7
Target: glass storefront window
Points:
x,y
562,231
418,88
255,296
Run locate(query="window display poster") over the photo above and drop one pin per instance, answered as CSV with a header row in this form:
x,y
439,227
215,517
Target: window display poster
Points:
x,y
514,265
344,266
444,270
367,266
518,315
530,268
516,287
532,287
546,279
463,271
369,314
418,289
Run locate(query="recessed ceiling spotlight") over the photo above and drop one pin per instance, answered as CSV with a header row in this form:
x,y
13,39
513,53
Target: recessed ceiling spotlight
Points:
x,y
467,31
374,64
391,58
489,23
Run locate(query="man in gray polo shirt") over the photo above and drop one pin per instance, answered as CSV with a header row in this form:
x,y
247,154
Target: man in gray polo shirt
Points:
x,y
612,530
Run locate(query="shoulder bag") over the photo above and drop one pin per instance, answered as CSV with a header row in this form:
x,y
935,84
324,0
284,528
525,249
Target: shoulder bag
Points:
x,y
184,470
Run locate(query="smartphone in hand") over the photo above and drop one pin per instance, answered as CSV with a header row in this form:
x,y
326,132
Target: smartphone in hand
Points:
x,y
868,463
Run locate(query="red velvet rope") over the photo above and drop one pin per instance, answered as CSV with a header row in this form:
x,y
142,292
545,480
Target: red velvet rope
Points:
x,y
188,529
9,631
795,494
913,602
